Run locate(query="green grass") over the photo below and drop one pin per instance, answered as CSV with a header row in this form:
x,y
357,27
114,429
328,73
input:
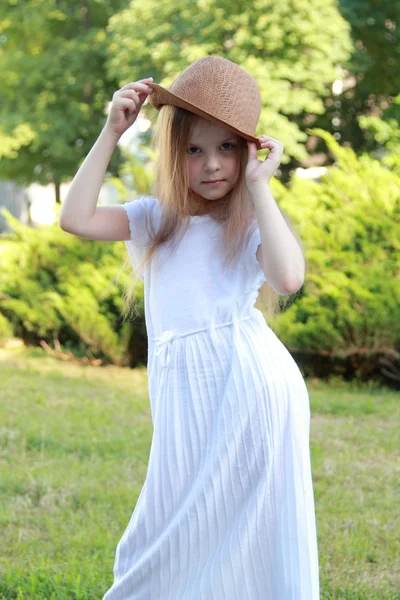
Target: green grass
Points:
x,y
74,445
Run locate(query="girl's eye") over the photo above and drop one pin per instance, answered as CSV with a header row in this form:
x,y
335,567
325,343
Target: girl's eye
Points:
x,y
232,147
229,144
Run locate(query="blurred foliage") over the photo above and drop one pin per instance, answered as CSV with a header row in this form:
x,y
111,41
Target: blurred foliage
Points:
x,y
56,286
136,173
61,63
6,328
365,114
22,135
54,88
386,134
288,51
349,221
295,57
375,31
345,320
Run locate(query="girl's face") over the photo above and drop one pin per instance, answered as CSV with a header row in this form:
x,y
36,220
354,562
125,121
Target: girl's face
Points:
x,y
213,154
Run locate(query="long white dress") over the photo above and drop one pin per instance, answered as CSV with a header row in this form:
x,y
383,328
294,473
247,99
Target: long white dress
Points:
x,y
227,508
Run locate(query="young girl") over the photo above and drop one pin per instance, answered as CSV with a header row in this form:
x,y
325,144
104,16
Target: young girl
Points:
x,y
227,508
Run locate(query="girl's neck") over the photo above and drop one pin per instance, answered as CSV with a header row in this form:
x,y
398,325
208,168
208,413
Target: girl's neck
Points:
x,y
208,207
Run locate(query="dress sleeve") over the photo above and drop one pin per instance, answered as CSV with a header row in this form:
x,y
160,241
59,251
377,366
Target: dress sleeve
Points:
x,y
139,213
253,267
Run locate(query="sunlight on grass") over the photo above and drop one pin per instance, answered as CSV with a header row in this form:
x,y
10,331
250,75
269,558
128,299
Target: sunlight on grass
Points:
x,y
74,446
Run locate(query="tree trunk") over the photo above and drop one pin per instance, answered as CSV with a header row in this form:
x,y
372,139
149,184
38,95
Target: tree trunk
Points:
x,y
58,198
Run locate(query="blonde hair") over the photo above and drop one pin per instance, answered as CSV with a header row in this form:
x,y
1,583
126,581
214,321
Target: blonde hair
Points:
x,y
171,187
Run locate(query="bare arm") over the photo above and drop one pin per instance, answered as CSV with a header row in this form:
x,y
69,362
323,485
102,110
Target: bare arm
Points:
x,y
79,213
281,253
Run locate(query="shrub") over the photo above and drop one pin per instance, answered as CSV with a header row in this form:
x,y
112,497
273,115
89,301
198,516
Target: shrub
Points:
x,y
56,286
349,308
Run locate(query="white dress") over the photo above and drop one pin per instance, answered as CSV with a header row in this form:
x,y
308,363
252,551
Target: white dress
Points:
x,y
227,508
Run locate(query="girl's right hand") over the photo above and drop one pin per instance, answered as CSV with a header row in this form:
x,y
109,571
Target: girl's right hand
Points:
x,y
126,104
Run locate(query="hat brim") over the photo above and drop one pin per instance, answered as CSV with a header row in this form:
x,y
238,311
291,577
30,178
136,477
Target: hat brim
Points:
x,y
161,97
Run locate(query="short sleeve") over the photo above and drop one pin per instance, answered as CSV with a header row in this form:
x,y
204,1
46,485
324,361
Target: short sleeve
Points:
x,y
254,270
139,213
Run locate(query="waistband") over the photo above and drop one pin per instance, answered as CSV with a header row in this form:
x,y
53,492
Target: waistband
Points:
x,y
164,341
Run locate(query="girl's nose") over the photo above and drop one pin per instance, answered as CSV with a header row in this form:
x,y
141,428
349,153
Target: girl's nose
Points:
x,y
212,163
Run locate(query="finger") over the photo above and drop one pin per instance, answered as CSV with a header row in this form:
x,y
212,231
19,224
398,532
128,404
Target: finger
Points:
x,y
130,94
143,84
127,104
276,148
133,104
144,92
133,91
268,144
272,146
252,150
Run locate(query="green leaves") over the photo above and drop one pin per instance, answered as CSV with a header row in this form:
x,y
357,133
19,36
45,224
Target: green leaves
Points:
x,y
55,286
290,55
55,88
348,221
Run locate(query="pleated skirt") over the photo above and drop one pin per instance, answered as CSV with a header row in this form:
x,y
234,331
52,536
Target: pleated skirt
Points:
x,y
227,508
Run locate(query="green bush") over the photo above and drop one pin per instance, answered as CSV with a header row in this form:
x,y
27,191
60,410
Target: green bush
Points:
x,y
349,307
57,287
345,321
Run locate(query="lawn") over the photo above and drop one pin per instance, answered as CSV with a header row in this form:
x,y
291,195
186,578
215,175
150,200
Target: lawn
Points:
x,y
74,444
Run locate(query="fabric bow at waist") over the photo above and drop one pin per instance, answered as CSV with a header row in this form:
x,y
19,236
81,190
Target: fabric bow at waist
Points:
x,y
164,341
164,347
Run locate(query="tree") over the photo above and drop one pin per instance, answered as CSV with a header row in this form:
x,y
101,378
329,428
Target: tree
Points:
x,y
299,52
364,112
289,50
54,86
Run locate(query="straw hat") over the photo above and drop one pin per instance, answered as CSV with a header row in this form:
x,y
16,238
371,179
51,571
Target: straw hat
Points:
x,y
216,89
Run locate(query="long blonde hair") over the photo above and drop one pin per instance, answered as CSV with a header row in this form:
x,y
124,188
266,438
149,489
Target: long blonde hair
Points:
x,y
171,187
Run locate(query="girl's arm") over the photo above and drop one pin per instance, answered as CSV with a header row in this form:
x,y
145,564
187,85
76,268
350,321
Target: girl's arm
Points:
x,y
79,213
281,254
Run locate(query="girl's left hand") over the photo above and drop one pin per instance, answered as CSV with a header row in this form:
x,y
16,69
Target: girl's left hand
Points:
x,y
262,171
